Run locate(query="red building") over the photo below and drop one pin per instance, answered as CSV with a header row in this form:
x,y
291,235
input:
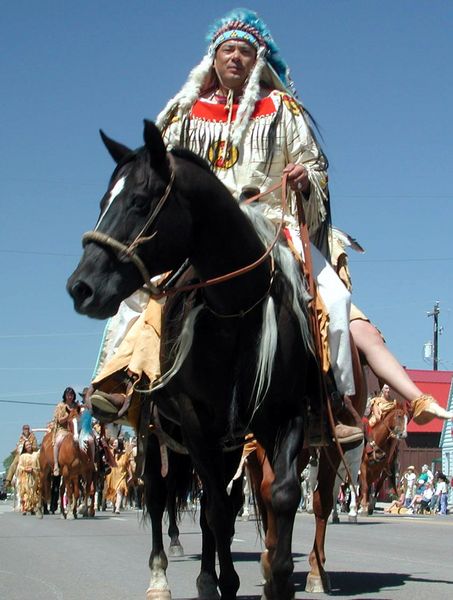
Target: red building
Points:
x,y
422,443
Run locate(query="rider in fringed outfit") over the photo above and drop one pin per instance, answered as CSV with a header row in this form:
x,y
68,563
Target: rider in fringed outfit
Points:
x,y
239,110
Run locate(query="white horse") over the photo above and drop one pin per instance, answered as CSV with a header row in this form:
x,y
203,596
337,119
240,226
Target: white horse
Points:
x,y
353,459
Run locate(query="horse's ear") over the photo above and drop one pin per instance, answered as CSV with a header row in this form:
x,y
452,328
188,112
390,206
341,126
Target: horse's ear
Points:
x,y
155,145
116,150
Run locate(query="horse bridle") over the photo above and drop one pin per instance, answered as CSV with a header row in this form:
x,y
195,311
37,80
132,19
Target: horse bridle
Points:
x,y
128,252
391,430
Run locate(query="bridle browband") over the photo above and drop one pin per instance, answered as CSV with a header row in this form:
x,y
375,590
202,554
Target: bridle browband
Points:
x,y
127,252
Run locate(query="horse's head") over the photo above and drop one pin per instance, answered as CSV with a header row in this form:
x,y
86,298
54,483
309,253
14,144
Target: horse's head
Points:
x,y
397,423
128,245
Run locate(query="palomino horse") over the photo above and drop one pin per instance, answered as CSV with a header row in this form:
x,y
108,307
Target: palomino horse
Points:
x,y
378,462
239,358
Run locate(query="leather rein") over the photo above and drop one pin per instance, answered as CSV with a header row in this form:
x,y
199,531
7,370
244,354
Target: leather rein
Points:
x,y
128,252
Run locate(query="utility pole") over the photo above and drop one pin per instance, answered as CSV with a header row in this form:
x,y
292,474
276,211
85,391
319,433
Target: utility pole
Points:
x,y
435,313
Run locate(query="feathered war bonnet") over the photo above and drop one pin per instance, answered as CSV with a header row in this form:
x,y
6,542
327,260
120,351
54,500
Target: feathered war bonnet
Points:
x,y
270,68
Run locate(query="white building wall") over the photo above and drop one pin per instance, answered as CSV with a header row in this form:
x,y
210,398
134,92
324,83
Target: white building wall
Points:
x,y
446,444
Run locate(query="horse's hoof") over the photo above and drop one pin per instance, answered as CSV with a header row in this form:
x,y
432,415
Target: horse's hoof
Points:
x,y
335,520
39,514
286,594
62,516
71,516
317,584
352,519
175,550
207,587
158,594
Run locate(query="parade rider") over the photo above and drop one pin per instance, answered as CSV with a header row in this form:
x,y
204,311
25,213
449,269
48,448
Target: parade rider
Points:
x,y
61,423
27,435
380,405
238,110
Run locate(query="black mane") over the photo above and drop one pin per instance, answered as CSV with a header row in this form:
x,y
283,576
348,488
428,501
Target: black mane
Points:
x,y
180,152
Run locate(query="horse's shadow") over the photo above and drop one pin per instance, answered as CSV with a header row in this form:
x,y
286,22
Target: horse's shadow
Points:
x,y
355,583
351,584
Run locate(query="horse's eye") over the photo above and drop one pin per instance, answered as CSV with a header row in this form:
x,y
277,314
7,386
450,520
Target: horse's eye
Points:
x,y
140,202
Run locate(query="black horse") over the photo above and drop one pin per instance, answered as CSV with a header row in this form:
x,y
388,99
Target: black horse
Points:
x,y
242,361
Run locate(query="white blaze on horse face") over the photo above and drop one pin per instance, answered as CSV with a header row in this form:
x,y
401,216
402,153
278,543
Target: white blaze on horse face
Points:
x,y
114,193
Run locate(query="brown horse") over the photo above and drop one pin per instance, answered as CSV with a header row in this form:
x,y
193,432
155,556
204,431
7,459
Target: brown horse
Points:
x,y
379,456
262,478
78,471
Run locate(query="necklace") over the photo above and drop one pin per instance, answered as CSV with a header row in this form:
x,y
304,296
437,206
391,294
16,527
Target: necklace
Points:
x,y
220,97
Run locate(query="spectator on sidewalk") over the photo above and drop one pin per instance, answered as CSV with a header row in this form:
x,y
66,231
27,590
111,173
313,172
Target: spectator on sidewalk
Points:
x,y
408,480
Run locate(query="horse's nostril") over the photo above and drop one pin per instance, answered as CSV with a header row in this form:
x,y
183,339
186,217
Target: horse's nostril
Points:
x,y
80,291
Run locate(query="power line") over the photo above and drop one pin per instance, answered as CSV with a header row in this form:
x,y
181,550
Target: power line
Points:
x,y
30,403
394,260
21,394
45,368
38,252
362,260
45,335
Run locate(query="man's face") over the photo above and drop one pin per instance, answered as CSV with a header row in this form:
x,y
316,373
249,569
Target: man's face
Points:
x,y
233,62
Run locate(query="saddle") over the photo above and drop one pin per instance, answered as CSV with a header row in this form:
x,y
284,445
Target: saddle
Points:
x,y
374,453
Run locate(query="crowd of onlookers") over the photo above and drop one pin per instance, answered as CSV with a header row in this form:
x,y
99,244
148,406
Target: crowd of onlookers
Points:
x,y
423,493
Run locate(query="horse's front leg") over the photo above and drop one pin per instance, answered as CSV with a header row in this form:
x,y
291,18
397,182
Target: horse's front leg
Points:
x,y
262,478
209,464
155,499
73,498
286,494
45,489
207,580
64,494
318,579
352,515
91,494
176,463
364,494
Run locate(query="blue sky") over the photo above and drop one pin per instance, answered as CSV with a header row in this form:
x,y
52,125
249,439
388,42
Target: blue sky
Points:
x,y
375,75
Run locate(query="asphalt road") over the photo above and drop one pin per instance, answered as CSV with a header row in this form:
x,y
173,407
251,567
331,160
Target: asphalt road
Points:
x,y
105,558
